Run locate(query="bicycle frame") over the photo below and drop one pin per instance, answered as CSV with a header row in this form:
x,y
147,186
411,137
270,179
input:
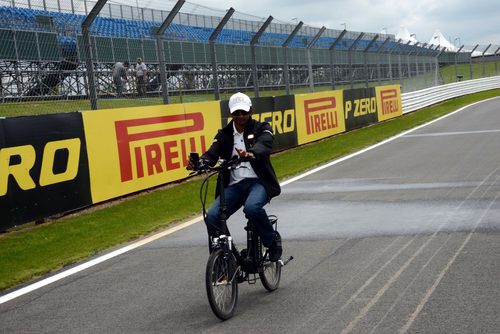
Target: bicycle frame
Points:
x,y
255,258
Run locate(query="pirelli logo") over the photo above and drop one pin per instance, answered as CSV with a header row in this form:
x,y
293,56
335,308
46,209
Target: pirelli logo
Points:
x,y
390,101
321,114
155,145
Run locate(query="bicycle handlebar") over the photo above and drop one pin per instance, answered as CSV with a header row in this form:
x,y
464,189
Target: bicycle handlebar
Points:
x,y
203,167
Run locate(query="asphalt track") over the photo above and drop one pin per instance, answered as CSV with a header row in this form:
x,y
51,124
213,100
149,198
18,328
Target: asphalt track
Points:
x,y
404,238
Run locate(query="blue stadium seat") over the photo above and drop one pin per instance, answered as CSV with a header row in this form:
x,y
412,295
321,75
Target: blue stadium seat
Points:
x,y
64,23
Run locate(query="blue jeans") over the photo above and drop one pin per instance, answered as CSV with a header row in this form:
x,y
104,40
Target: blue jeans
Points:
x,y
119,86
251,194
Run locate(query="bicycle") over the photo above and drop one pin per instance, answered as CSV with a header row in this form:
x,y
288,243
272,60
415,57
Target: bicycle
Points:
x,y
226,266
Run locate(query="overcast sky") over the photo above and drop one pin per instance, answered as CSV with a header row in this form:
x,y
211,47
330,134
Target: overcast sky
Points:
x,y
465,21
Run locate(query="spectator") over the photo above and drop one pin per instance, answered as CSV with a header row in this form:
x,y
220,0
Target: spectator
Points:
x,y
120,76
141,73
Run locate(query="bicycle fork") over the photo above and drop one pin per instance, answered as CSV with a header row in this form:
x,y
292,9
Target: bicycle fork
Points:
x,y
225,242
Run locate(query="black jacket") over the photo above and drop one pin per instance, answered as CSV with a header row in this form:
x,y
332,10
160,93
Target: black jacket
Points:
x,y
260,144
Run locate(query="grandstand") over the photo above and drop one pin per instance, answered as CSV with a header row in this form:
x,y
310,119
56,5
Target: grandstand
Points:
x,y
41,52
68,24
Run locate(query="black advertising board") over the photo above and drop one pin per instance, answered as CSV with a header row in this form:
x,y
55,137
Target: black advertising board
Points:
x,y
279,112
284,122
360,107
43,167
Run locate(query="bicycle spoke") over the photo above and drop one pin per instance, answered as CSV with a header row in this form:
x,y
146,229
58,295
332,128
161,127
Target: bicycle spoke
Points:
x,y
270,275
222,288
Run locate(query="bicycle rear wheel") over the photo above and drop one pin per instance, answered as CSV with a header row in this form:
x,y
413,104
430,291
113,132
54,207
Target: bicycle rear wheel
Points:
x,y
270,275
222,283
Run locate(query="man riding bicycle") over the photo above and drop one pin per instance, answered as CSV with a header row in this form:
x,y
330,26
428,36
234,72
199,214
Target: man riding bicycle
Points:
x,y
254,183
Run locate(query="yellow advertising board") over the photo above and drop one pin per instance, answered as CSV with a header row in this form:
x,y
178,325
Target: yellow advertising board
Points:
x,y
132,149
388,102
319,115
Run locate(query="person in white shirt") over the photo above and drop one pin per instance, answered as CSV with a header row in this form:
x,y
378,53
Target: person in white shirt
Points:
x,y
141,74
253,186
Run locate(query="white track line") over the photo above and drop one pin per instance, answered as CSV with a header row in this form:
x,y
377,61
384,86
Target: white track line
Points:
x,y
431,290
95,261
91,263
381,292
334,162
452,133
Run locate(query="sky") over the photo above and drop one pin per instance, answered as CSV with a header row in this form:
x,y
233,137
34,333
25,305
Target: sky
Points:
x,y
460,21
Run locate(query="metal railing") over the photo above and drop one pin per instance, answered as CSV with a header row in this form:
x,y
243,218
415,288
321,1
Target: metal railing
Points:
x,y
416,100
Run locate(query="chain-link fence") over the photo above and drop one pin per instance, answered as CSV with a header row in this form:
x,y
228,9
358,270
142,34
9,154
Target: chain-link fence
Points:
x,y
141,56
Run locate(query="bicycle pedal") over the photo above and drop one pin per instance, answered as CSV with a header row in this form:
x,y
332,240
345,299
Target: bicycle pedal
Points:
x,y
285,262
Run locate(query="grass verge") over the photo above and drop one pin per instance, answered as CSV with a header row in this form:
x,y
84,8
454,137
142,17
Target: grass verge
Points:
x,y
31,252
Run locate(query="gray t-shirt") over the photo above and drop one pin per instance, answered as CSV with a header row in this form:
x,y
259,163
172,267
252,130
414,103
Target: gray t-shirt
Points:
x,y
119,71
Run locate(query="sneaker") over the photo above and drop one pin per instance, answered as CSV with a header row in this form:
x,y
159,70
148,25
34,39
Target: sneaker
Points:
x,y
275,250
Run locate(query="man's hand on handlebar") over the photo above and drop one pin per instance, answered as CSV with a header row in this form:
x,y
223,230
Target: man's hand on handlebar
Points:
x,y
190,165
197,166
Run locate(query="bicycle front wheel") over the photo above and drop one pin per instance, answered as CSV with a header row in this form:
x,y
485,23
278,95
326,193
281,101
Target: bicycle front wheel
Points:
x,y
222,283
270,275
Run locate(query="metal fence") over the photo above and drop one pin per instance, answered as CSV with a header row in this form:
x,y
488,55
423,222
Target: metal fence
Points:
x,y
69,50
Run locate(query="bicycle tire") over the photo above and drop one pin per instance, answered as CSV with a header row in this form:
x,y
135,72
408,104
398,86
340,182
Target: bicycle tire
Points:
x,y
222,284
270,274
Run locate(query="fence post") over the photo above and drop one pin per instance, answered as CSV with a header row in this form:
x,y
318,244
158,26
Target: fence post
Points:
x,y
408,61
379,74
401,64
496,62
437,65
425,60
482,60
88,52
456,68
309,46
349,55
417,55
365,56
213,54
413,47
332,50
434,61
253,42
400,68
285,56
470,60
161,51
397,45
